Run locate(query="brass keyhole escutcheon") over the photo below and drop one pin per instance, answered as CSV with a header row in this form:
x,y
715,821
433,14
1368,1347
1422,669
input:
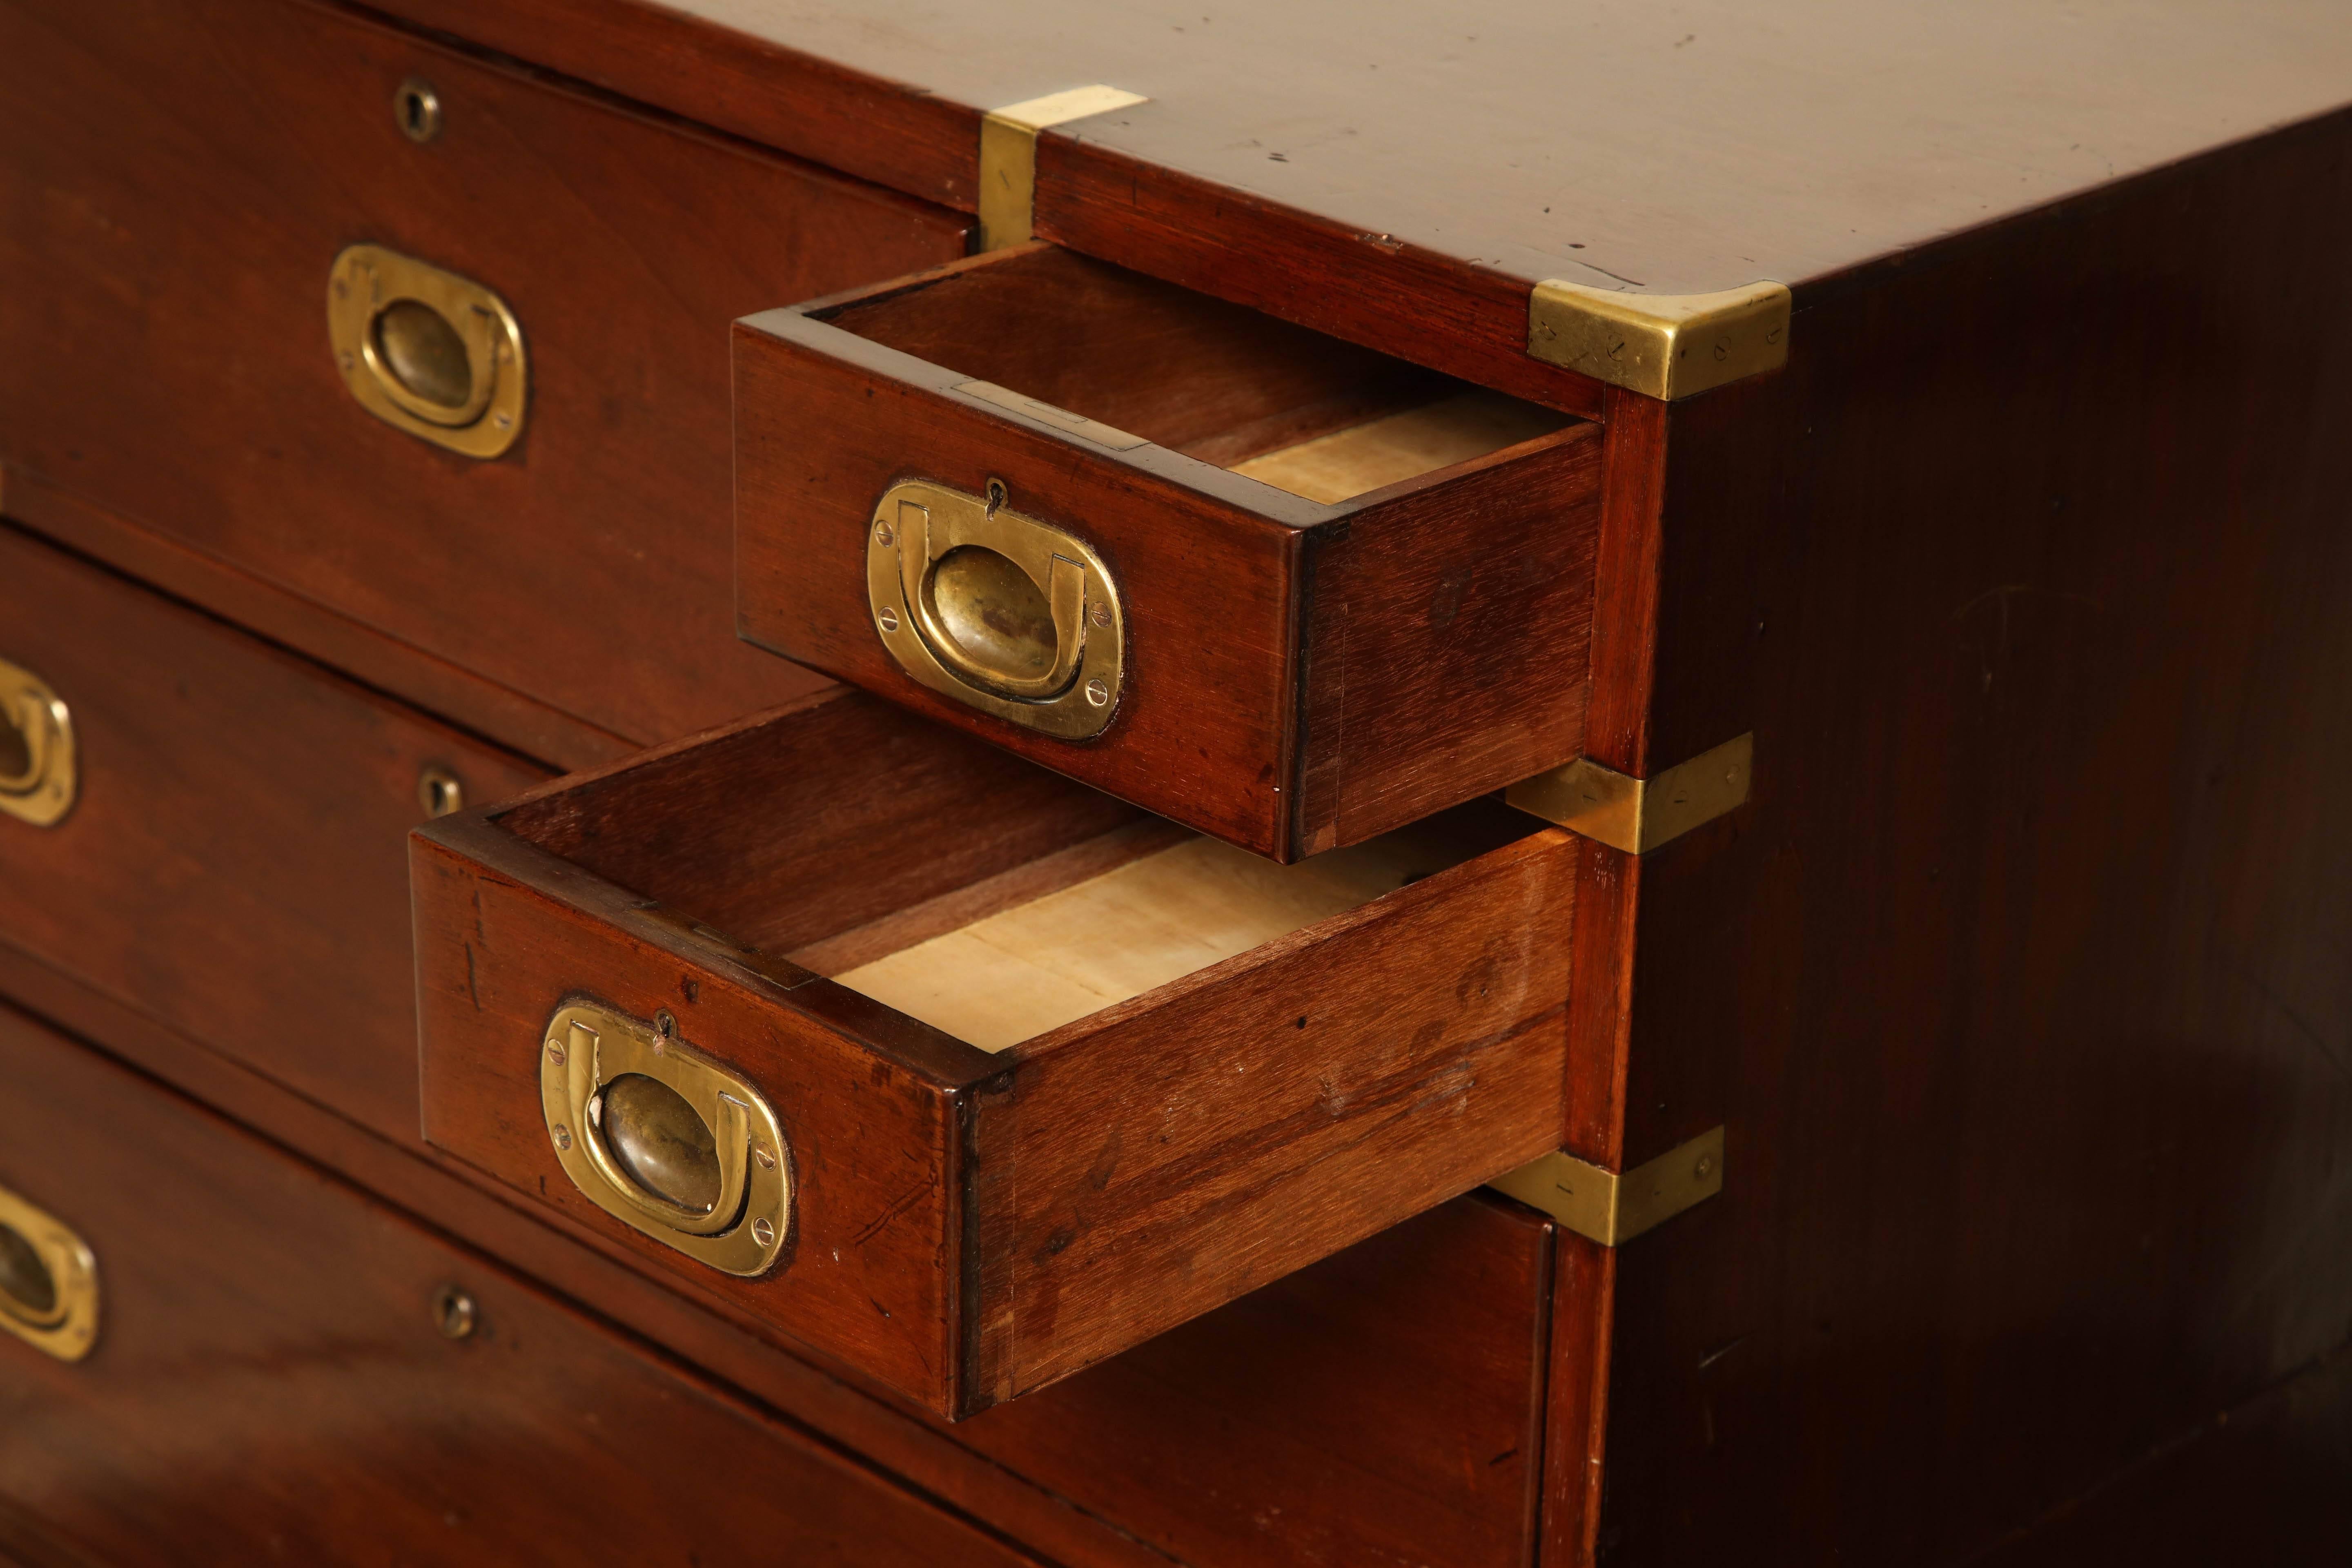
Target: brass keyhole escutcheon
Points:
x,y
48,1281
1001,611
39,776
440,792
416,108
664,1138
427,350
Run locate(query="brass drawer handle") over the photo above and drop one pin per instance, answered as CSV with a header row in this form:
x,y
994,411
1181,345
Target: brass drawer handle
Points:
x,y
1012,616
48,1281
37,777
663,1139
435,355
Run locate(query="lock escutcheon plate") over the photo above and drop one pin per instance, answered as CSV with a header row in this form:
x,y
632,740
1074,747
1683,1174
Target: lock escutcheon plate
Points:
x,y
997,609
584,1050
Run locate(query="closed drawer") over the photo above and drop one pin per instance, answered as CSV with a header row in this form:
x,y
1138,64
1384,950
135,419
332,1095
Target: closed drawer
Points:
x,y
229,859
285,1371
181,177
1282,589
986,1075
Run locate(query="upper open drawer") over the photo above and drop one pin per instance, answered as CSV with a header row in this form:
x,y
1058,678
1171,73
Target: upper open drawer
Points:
x,y
958,1072
1284,589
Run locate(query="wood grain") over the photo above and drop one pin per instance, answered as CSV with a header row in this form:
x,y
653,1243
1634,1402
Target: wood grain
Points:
x,y
270,1380
1301,675
234,865
2019,981
184,173
965,1232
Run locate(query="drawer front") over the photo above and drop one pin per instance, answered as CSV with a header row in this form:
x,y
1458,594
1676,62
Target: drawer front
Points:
x,y
1403,628
284,1370
232,860
181,177
823,906
1383,1406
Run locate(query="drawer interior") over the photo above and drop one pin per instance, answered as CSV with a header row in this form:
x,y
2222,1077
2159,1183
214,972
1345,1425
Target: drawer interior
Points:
x,y
1323,419
1046,903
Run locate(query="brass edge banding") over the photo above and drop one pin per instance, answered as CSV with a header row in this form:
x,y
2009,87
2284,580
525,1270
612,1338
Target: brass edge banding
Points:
x,y
1611,1208
1635,815
1662,345
1008,156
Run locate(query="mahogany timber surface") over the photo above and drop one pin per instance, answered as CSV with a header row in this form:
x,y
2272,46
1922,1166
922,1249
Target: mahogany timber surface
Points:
x,y
2023,981
970,1227
179,175
1298,676
235,863
270,1381
1400,175
1288,1393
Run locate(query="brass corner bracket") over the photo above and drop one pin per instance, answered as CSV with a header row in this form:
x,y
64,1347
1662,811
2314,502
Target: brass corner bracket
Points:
x,y
1638,815
1008,156
1612,1208
1663,345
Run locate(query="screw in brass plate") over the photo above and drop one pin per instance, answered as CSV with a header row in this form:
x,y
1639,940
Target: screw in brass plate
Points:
x,y
555,1052
764,1231
1098,613
766,1157
1704,1168
417,108
562,1134
1098,692
882,534
439,791
454,1313
889,619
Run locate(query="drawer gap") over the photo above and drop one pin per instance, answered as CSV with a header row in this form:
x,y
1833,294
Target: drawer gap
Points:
x,y
1321,418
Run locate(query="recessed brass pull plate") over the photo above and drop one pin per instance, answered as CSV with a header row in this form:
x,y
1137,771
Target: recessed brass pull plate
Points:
x,y
663,1139
433,353
1664,345
37,764
1014,616
1638,815
48,1281
1611,1208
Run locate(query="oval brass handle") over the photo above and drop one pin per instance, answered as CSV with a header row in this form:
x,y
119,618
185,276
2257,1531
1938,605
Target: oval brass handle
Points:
x,y
423,349
997,609
39,777
665,1138
48,1280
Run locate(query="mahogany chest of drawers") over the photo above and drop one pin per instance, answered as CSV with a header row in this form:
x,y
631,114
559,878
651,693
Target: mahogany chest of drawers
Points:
x,y
882,784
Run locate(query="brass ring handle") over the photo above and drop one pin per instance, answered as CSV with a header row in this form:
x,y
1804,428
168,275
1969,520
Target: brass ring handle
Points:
x,y
48,1281
997,609
427,350
665,1138
38,772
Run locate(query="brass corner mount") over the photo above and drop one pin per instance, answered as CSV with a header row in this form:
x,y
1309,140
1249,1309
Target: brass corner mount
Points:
x,y
1008,156
1637,815
1613,1208
1661,345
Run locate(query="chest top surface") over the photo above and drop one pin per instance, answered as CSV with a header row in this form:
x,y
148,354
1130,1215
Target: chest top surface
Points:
x,y
1663,148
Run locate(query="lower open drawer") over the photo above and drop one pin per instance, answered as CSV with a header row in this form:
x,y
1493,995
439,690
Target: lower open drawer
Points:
x,y
957,1071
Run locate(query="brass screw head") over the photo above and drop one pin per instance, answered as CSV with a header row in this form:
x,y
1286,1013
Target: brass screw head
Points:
x,y
889,619
555,1052
1098,692
764,1231
562,1134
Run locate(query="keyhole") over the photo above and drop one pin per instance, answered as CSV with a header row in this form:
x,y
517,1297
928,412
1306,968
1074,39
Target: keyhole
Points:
x,y
419,109
439,792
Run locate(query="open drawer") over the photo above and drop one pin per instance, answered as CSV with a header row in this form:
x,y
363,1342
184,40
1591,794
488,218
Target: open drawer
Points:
x,y
1282,589
961,1073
